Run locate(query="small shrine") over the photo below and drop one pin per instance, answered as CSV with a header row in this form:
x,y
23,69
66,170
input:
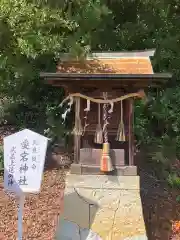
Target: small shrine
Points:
x,y
101,91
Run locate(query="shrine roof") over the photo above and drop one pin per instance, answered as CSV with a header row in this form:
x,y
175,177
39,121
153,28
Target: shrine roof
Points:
x,y
122,66
101,77
109,63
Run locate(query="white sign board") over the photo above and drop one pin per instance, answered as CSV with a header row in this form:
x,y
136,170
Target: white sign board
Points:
x,y
24,156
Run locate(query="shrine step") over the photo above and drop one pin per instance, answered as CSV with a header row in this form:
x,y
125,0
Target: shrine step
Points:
x,y
83,169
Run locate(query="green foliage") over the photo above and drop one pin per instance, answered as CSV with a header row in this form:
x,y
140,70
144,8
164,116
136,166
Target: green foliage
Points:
x,y
174,181
55,131
178,198
33,34
136,25
157,127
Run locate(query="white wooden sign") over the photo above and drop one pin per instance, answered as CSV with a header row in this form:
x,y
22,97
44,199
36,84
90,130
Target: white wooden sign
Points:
x,y
24,156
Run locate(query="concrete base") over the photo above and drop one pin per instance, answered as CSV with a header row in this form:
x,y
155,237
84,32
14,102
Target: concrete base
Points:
x,y
82,169
102,207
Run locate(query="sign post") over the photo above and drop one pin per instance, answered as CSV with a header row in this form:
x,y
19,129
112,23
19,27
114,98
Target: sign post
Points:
x,y
20,216
24,157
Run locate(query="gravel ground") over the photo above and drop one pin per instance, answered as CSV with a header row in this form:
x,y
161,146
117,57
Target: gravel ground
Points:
x,y
160,208
40,212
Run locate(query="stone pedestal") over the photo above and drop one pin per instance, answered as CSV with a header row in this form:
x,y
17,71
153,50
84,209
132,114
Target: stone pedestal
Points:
x,y
102,207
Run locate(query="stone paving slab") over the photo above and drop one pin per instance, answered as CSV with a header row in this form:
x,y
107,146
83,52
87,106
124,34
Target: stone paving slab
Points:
x,y
102,207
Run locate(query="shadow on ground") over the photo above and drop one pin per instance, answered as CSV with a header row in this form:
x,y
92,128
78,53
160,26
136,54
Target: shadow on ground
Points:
x,y
69,225
159,205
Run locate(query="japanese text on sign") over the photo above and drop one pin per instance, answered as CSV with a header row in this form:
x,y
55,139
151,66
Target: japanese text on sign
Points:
x,y
11,166
24,161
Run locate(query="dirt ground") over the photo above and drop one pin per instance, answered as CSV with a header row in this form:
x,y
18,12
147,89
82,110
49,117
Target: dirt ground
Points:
x,y
40,212
160,208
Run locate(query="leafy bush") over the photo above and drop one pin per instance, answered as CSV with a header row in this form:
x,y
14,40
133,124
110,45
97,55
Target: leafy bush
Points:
x,y
57,131
174,181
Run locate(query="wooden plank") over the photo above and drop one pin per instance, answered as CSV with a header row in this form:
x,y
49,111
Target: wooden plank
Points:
x,y
130,132
77,139
92,156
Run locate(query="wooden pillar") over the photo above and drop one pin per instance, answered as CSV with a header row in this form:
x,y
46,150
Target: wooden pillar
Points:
x,y
130,131
77,138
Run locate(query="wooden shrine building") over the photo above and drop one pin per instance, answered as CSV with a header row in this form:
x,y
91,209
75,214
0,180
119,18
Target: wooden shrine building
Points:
x,y
108,77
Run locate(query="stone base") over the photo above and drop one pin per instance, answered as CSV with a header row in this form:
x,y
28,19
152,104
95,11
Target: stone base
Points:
x,y
94,170
102,207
